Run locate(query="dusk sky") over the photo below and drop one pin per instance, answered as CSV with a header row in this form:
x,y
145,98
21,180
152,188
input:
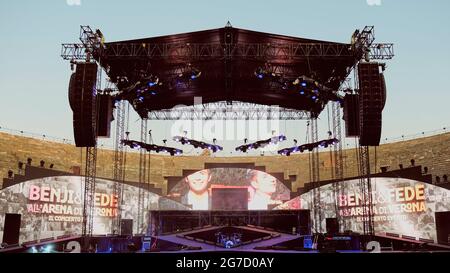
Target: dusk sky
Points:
x,y
34,79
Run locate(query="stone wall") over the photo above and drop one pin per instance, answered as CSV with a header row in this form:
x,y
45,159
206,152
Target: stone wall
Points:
x,y
433,152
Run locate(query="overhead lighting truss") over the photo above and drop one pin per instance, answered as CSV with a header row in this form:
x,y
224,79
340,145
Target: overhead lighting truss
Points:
x,y
151,147
308,147
260,144
198,144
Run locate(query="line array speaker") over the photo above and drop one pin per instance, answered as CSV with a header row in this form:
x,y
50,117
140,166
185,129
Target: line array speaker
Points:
x,y
82,101
371,103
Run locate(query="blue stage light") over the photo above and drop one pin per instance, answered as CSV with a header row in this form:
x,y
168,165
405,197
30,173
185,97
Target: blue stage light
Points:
x,y
313,97
304,84
302,92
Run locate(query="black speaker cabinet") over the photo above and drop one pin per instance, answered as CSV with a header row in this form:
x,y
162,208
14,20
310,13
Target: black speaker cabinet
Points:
x,y
11,229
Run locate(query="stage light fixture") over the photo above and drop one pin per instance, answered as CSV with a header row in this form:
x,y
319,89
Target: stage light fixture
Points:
x,y
260,72
198,144
260,143
310,146
151,147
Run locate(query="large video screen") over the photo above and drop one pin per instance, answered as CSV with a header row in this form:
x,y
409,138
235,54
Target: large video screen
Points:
x,y
264,190
53,206
400,206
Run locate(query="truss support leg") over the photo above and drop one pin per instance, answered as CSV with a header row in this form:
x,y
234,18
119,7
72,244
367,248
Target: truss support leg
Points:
x,y
338,161
316,200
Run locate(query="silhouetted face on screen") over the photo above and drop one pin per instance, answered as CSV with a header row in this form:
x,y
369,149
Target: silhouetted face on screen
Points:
x,y
263,183
198,182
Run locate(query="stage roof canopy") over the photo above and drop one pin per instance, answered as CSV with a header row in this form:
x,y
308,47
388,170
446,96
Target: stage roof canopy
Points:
x,y
227,64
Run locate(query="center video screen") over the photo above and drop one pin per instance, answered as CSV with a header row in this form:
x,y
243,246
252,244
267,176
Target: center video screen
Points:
x,y
230,189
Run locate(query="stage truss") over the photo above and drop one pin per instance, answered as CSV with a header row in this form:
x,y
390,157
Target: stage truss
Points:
x,y
229,111
92,44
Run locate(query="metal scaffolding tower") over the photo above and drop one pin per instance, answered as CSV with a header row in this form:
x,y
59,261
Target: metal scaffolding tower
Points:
x,y
142,180
90,41
338,160
118,167
366,190
316,200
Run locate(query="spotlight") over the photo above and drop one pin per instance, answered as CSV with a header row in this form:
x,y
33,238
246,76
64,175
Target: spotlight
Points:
x,y
20,165
425,170
259,73
302,92
413,162
42,163
445,177
195,73
29,160
400,166
51,166
10,174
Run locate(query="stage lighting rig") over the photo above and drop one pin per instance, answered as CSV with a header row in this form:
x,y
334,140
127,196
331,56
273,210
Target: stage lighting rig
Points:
x,y
278,78
189,74
310,146
198,144
260,143
151,147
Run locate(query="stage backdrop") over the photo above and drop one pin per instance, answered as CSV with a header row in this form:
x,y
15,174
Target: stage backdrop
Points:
x,y
53,206
401,206
264,190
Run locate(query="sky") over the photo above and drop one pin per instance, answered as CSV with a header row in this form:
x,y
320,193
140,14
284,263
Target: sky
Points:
x,y
34,79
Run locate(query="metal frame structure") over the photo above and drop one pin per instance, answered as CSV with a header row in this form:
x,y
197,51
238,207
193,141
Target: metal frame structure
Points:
x,y
366,190
118,168
230,111
142,175
92,48
315,171
91,41
338,160
216,50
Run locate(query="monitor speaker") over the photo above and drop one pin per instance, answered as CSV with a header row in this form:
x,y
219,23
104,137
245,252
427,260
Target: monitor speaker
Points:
x,y
443,227
82,101
126,227
11,228
332,226
371,103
